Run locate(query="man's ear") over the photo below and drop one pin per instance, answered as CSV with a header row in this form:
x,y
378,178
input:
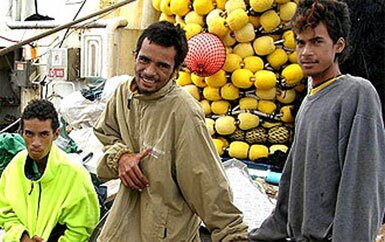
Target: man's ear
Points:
x,y
56,133
340,45
176,73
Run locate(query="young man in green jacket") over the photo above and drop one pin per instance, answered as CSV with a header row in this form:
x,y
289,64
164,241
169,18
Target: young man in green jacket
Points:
x,y
333,184
43,195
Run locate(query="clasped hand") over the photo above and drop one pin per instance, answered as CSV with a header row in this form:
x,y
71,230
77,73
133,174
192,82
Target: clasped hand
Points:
x,y
129,170
35,238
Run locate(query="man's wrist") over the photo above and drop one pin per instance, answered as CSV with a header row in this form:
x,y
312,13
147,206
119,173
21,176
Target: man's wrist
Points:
x,y
114,162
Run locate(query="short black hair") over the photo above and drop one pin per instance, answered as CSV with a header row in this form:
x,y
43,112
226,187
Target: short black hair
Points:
x,y
333,13
165,34
42,110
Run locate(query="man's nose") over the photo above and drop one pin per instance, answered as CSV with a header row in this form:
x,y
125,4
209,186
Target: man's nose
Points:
x,y
36,142
307,50
150,69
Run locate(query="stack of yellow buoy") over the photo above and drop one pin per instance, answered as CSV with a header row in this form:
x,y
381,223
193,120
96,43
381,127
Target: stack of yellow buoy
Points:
x,y
248,103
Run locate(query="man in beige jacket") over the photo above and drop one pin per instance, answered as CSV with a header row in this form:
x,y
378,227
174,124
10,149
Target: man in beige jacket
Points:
x,y
157,143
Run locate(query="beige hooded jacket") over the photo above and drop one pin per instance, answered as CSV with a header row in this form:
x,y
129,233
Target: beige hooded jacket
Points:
x,y
187,179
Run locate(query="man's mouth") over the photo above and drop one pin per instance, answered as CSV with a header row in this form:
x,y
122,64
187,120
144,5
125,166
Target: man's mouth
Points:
x,y
148,82
308,63
35,151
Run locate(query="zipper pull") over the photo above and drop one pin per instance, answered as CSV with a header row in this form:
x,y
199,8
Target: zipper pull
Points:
x,y
31,189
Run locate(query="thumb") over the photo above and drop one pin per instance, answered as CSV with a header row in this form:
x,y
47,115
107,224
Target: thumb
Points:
x,y
145,153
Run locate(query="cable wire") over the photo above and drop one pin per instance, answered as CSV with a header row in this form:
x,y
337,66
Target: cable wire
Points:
x,y
67,30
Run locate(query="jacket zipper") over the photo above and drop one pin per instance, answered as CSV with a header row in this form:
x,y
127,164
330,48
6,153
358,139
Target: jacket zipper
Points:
x,y
39,197
38,201
30,191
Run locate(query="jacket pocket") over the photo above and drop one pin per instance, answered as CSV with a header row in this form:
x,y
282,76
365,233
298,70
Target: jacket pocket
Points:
x,y
156,221
329,232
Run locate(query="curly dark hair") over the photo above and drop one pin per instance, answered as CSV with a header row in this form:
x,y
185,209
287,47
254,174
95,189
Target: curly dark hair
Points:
x,y
166,34
42,110
335,15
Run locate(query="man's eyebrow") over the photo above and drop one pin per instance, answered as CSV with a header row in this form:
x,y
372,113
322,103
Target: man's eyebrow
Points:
x,y
158,63
311,39
317,38
164,63
144,56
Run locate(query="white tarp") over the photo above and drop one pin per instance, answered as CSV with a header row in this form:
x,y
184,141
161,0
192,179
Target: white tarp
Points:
x,y
80,112
253,202
88,143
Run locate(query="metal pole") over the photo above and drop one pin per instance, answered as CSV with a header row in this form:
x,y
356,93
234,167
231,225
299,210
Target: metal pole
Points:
x,y
52,31
10,126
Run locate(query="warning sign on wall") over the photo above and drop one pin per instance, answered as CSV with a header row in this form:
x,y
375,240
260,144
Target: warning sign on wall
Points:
x,y
57,64
56,73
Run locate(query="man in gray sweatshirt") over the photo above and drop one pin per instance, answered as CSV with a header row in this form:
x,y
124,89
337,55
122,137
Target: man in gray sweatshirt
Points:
x,y
332,187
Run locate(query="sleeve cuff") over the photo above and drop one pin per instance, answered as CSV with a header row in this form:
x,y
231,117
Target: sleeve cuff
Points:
x,y
14,233
113,160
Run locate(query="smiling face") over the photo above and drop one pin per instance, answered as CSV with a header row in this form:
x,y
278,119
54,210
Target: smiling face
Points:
x,y
38,136
316,53
154,66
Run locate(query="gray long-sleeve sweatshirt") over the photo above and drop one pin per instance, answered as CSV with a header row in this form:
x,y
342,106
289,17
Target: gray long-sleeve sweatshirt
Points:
x,y
333,184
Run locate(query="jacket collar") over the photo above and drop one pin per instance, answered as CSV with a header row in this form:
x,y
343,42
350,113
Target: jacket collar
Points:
x,y
153,96
50,169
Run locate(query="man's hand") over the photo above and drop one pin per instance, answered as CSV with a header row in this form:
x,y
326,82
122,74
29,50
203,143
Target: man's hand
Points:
x,y
129,170
25,238
37,239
